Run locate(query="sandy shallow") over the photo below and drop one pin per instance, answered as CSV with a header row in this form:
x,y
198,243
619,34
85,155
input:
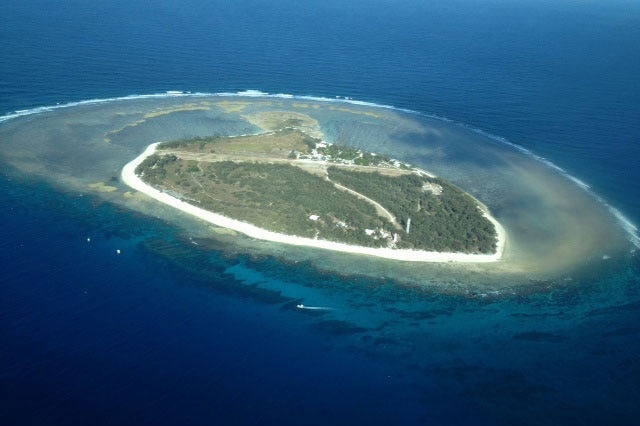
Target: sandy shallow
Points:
x,y
557,232
131,179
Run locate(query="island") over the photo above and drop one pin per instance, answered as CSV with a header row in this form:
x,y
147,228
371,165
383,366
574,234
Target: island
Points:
x,y
324,194
288,185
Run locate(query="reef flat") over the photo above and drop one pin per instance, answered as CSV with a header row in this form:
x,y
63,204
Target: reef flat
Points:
x,y
554,227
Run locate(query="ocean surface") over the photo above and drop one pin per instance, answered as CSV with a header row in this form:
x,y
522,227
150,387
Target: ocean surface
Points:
x,y
168,333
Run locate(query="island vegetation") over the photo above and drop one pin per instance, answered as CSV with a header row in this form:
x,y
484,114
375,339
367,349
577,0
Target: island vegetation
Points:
x,y
291,183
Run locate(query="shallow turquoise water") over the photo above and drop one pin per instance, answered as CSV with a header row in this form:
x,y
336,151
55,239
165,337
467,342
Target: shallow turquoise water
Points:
x,y
168,333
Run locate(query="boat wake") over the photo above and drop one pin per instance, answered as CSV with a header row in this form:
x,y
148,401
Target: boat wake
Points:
x,y
314,308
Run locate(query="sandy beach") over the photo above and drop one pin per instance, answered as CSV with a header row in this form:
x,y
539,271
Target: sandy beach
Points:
x,y
129,177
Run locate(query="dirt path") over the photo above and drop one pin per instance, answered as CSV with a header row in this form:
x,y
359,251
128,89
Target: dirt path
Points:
x,y
379,208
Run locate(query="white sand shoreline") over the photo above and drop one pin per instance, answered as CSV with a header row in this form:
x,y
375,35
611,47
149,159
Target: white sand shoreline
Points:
x,y
129,177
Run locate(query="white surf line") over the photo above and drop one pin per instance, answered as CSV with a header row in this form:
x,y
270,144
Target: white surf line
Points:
x,y
629,227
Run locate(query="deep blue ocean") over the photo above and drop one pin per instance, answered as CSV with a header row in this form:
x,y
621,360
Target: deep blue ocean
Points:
x,y
88,337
